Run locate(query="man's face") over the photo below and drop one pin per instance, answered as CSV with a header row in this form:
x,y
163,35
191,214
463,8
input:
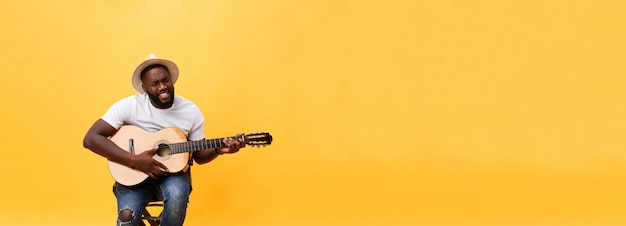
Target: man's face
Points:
x,y
159,87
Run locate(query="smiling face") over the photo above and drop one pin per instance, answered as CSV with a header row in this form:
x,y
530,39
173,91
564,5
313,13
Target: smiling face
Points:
x,y
157,83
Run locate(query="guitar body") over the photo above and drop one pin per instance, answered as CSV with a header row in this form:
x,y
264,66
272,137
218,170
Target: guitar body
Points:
x,y
144,141
173,149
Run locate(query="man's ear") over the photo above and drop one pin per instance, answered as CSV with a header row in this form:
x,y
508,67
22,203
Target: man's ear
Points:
x,y
144,88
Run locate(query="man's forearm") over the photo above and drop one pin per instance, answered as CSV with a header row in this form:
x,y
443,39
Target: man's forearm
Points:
x,y
205,156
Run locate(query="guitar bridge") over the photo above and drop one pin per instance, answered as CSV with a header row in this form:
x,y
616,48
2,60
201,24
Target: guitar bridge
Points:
x,y
131,146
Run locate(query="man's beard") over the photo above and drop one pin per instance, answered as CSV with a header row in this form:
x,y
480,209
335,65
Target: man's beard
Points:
x,y
162,105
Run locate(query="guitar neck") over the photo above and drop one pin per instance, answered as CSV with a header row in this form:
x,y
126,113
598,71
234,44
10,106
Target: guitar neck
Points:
x,y
196,145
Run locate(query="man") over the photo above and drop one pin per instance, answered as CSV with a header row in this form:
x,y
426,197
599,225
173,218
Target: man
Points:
x,y
155,107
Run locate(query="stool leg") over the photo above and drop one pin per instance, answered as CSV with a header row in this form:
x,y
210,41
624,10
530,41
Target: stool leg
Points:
x,y
148,217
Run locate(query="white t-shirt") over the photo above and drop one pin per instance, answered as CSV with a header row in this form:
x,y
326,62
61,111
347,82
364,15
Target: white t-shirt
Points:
x,y
138,111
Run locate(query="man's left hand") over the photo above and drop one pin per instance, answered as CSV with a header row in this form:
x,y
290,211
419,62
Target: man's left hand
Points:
x,y
232,145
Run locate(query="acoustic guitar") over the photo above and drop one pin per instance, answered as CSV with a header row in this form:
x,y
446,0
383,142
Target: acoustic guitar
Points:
x,y
173,149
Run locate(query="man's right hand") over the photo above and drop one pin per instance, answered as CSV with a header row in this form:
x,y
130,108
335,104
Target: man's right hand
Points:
x,y
145,163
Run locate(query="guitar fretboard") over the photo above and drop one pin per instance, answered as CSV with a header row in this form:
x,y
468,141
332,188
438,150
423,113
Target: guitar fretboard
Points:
x,y
196,145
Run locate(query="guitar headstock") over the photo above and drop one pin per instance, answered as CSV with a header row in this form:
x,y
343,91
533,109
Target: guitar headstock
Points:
x,y
258,139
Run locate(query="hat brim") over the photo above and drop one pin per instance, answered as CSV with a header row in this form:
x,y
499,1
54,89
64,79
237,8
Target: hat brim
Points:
x,y
171,67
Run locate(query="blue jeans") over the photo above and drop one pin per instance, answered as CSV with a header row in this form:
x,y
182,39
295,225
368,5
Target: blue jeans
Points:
x,y
173,189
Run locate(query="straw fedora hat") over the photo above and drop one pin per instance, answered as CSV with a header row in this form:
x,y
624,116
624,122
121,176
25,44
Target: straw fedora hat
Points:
x,y
151,60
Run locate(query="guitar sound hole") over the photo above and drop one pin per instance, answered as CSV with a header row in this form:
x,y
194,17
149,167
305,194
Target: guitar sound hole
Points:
x,y
164,150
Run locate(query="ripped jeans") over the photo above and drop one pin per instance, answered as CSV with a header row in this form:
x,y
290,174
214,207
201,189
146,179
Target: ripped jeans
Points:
x,y
173,189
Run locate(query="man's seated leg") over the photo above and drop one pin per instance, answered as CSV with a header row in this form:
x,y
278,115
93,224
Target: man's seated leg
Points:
x,y
131,201
175,190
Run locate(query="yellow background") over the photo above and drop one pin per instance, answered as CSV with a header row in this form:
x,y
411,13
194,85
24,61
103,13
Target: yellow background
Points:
x,y
398,112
